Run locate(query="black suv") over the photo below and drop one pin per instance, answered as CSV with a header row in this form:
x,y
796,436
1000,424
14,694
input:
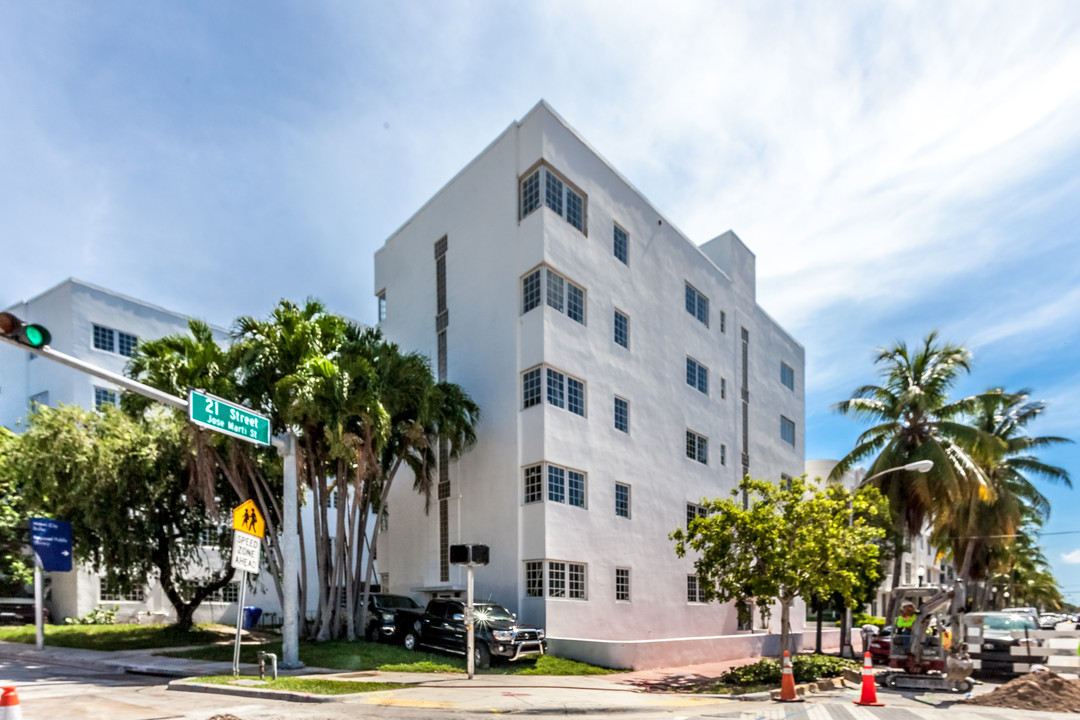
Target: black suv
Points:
x,y
389,616
496,632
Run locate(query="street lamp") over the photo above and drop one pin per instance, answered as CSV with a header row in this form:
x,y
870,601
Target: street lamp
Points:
x,y
920,573
920,466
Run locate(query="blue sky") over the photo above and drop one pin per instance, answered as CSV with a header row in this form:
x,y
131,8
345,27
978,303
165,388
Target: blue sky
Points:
x,y
896,167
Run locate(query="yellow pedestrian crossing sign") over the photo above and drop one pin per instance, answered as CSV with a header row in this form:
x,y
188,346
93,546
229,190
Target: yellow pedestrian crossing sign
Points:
x,y
247,519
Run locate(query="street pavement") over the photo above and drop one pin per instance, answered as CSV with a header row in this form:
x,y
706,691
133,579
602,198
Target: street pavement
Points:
x,y
59,683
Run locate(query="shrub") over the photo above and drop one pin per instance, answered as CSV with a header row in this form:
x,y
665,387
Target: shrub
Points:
x,y
98,616
763,672
859,619
804,668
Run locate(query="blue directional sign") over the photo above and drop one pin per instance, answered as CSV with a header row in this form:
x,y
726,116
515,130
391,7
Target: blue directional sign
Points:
x,y
51,540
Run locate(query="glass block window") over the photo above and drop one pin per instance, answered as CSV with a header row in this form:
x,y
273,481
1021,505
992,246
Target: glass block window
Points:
x,y
576,581
622,330
558,196
694,593
556,291
126,343
697,375
530,387
787,376
381,297
575,396
697,447
697,304
575,488
104,396
556,579
534,578
530,291
556,484
228,594
622,415
534,483
622,584
107,593
723,454
104,339
621,245
622,500
787,430
723,389
556,388
723,321
694,511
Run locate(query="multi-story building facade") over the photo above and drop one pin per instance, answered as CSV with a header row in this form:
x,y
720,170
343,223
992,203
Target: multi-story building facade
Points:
x,y
103,328
624,374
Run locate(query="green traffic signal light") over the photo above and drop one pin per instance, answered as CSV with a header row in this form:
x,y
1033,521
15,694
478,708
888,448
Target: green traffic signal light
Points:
x,y
36,336
31,335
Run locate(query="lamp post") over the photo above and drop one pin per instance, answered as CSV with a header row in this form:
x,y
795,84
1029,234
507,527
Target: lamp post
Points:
x,y
921,574
920,466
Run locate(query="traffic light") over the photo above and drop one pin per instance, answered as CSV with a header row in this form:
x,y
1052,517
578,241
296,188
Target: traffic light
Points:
x,y
28,334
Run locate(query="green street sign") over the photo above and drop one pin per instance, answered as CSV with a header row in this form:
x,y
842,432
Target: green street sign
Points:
x,y
227,418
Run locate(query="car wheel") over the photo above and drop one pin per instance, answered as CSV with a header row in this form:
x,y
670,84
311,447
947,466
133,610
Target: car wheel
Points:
x,y
964,686
409,641
482,656
370,633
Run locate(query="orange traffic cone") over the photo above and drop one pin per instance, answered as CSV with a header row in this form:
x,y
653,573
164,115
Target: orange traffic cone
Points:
x,y
9,705
787,682
869,687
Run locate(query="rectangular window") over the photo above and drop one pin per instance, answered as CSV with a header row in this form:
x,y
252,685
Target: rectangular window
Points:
x,y
530,387
228,594
622,500
556,484
697,304
104,339
694,511
104,396
723,454
576,573
556,291
907,573
575,488
530,291
787,430
556,579
694,592
723,321
697,447
534,578
110,594
558,195
381,300
621,245
787,376
622,330
785,480
622,584
556,388
41,398
622,415
697,375
126,343
575,396
723,389
575,303
534,483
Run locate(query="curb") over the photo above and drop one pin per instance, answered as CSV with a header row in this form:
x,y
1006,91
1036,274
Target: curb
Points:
x,y
837,683
264,694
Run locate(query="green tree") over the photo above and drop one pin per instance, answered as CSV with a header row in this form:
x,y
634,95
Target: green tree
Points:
x,y
16,566
915,420
792,540
121,481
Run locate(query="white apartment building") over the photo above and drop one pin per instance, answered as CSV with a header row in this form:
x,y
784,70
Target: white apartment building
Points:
x,y
624,373
103,327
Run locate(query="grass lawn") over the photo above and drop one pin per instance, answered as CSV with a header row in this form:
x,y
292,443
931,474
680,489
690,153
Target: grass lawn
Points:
x,y
112,637
361,655
313,686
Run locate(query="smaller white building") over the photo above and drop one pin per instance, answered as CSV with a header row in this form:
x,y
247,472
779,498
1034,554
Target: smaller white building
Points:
x,y
102,327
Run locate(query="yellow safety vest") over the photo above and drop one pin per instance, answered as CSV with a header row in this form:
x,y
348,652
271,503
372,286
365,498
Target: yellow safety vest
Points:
x,y
903,623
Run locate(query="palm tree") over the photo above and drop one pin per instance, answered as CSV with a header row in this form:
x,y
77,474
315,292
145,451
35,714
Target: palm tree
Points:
x,y
915,420
974,528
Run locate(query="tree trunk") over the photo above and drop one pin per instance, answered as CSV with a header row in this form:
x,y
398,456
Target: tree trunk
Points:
x,y
786,641
817,642
898,565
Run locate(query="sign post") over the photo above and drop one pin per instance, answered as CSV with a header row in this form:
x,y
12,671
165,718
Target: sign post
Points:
x,y
51,541
470,556
248,530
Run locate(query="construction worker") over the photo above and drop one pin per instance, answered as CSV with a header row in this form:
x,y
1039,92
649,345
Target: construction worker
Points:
x,y
905,622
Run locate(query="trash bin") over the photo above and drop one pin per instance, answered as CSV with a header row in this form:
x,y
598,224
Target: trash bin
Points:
x,y
251,617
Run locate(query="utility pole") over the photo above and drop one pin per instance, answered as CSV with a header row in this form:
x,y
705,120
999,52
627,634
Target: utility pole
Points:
x,y
290,659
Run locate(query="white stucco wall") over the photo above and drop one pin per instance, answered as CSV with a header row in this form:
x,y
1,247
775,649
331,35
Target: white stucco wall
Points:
x,y
490,343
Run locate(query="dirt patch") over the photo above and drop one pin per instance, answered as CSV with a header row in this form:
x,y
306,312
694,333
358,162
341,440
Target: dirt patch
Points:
x,y
1034,691
225,717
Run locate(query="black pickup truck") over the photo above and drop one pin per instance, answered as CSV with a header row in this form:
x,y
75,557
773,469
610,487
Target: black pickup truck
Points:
x,y
496,632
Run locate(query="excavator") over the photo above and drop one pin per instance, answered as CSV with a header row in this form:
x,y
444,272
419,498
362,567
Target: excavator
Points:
x,y
934,655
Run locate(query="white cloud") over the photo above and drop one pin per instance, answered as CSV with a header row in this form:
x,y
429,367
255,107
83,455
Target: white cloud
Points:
x,y
1072,558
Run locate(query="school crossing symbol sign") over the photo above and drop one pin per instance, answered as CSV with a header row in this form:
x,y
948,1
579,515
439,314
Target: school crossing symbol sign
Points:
x,y
248,519
248,528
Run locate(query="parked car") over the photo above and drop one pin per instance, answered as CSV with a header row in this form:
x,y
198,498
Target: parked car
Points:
x,y
389,616
994,648
1031,612
880,645
496,632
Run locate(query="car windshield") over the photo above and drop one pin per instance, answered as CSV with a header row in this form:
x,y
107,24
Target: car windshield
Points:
x,y
1016,622
492,612
393,602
